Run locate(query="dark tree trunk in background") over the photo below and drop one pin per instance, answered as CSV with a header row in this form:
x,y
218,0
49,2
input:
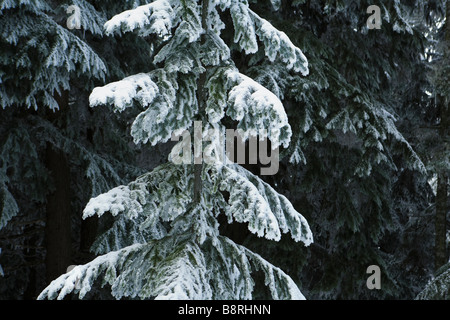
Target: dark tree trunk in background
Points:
x,y
88,235
30,256
58,242
57,226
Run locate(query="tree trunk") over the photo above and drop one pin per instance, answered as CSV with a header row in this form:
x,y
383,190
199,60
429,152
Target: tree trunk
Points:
x,y
201,99
30,255
58,227
88,235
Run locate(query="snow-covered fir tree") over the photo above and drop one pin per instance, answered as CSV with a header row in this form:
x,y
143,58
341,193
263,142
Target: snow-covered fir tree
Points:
x,y
165,242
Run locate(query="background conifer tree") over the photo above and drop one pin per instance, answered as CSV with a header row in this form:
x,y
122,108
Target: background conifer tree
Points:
x,y
360,180
55,151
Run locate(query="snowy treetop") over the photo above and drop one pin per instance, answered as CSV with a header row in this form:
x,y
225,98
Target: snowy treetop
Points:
x,y
162,16
156,17
171,108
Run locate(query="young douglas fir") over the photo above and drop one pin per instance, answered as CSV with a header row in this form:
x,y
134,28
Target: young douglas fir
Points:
x,y
165,241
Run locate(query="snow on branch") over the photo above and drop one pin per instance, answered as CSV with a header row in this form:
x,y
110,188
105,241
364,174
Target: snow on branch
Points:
x,y
117,200
240,282
176,269
247,205
80,279
160,194
121,93
90,19
244,27
171,112
168,269
289,219
256,108
156,17
248,25
254,202
72,54
277,43
281,286
184,275
125,232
